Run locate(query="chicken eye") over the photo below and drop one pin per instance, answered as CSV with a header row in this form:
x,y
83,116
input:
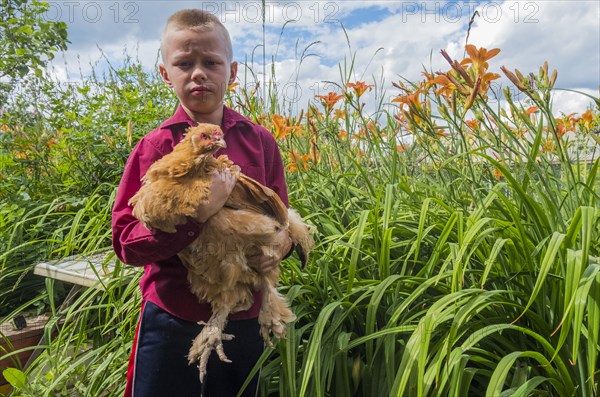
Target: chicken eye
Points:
x,y
204,136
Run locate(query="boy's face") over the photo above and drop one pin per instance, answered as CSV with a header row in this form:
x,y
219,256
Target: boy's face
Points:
x,y
197,67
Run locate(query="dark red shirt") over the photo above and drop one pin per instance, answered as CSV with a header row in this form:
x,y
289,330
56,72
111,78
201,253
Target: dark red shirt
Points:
x,y
164,282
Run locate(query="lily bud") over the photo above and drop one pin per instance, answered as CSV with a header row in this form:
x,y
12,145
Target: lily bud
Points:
x,y
544,72
553,78
516,81
473,95
519,75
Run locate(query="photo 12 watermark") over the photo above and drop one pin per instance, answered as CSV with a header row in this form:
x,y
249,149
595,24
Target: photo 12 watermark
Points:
x,y
453,12
227,11
92,11
316,12
273,11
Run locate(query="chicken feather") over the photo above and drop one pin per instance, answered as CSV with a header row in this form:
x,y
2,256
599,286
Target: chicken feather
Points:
x,y
218,272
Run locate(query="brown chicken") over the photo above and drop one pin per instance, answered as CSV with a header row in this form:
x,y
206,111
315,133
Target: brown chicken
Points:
x,y
218,272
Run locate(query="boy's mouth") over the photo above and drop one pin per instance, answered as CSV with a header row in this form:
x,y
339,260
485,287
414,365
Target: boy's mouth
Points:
x,y
200,89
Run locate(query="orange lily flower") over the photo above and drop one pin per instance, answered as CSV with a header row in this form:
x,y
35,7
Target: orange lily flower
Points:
x,y
497,173
479,57
442,132
566,124
300,162
473,123
339,114
282,129
295,160
447,87
429,78
359,87
486,80
411,100
232,86
587,118
329,100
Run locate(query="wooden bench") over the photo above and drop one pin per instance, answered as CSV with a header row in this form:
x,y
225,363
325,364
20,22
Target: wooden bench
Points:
x,y
84,271
90,271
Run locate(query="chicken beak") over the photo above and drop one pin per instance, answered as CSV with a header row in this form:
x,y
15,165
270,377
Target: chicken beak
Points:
x,y
219,139
220,142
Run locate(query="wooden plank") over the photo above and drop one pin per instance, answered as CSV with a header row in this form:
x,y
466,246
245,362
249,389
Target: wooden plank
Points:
x,y
86,271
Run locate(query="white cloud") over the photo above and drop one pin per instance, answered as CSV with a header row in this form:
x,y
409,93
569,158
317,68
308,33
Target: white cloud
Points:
x,y
566,102
564,33
387,39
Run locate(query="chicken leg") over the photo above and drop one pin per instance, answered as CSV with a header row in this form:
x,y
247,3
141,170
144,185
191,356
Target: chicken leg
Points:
x,y
274,315
210,338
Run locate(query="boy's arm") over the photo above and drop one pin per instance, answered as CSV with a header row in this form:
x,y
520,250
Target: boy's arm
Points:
x,y
132,242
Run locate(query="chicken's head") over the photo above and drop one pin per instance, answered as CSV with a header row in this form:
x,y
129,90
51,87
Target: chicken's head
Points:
x,y
206,138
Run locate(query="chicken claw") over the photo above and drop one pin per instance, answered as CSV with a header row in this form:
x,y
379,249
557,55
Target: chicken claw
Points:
x,y
271,323
210,338
274,316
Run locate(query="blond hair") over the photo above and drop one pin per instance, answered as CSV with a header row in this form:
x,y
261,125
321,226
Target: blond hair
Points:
x,y
196,19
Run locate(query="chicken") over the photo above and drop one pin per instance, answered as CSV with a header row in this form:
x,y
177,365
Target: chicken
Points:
x,y
218,272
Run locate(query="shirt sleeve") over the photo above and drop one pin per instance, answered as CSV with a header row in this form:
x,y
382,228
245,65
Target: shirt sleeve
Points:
x,y
132,242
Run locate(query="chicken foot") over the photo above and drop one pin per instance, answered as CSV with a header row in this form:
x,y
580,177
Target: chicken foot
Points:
x,y
210,338
274,315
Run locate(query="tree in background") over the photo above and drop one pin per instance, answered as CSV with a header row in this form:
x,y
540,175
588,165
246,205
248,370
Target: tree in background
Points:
x,y
26,38
27,41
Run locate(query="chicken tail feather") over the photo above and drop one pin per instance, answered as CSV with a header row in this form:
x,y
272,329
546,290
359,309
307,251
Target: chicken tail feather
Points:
x,y
301,236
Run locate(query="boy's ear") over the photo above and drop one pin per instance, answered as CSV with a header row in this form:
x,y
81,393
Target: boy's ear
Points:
x,y
165,75
233,72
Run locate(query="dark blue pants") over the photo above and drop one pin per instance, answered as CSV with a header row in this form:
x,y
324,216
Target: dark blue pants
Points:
x,y
160,365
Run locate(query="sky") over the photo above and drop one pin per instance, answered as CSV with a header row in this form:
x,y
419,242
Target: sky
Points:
x,y
307,44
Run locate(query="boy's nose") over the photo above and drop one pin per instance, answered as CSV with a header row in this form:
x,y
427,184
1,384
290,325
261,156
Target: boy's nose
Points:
x,y
198,74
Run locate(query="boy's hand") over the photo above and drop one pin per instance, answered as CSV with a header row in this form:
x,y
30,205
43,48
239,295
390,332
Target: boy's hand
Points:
x,y
221,185
265,262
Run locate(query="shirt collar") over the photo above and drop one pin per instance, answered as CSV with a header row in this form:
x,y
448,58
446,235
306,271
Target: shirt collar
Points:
x,y
180,117
231,118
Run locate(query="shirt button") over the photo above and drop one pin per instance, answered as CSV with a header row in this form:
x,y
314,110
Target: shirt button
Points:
x,y
191,234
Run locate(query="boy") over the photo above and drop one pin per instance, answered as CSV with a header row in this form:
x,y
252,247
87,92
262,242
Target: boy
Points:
x,y
198,66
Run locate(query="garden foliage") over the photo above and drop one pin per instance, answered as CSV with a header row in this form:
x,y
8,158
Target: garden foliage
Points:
x,y
458,232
